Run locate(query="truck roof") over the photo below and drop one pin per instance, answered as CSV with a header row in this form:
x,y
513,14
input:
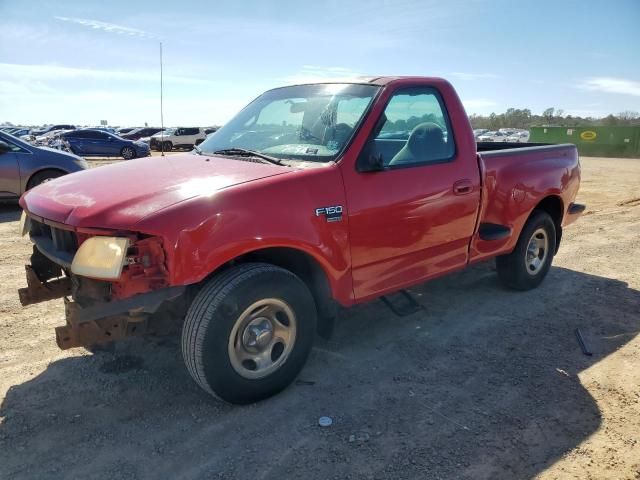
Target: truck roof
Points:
x,y
371,80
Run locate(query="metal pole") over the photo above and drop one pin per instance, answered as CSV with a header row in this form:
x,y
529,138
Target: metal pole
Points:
x,y
161,108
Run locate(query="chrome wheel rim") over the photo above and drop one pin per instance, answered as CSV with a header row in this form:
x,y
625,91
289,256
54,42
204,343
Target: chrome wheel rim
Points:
x,y
537,251
262,338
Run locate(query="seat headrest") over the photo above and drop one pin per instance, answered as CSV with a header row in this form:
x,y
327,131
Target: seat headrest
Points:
x,y
425,135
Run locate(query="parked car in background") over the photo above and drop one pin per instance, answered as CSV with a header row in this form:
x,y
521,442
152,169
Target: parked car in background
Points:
x,y
181,137
23,166
518,137
18,132
98,143
45,138
104,129
209,130
493,137
479,131
138,133
41,131
122,131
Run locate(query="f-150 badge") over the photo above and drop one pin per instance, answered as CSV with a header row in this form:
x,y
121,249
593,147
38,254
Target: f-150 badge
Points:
x,y
332,214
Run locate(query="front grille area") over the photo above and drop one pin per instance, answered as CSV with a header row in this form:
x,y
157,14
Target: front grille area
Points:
x,y
55,243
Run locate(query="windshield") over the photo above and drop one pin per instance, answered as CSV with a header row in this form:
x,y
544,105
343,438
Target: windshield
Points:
x,y
303,122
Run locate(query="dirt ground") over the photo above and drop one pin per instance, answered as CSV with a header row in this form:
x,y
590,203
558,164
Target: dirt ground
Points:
x,y
484,383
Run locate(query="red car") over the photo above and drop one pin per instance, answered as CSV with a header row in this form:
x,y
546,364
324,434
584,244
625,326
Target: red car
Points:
x,y
312,197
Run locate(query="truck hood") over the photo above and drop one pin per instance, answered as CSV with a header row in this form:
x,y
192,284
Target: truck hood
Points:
x,y
118,196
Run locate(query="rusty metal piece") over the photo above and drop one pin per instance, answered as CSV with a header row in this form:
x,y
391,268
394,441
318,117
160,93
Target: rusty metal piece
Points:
x,y
104,330
37,291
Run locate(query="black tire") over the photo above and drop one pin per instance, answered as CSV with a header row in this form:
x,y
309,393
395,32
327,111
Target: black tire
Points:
x,y
43,176
224,302
515,269
167,146
128,153
199,141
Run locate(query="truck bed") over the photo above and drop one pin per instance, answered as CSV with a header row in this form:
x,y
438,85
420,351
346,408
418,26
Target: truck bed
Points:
x,y
516,177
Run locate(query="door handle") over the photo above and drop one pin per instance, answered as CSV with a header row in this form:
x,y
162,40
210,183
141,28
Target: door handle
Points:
x,y
463,187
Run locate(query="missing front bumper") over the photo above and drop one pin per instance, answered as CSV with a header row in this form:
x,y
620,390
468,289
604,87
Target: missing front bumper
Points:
x,y
38,291
106,322
100,321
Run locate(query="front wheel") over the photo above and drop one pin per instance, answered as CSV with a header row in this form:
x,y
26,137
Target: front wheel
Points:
x,y
530,261
248,332
42,177
128,153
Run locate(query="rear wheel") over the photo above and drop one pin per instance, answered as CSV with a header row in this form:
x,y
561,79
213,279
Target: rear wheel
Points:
x,y
249,332
43,176
530,261
167,146
128,153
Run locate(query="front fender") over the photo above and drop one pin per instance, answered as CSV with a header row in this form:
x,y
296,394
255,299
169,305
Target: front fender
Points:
x,y
206,232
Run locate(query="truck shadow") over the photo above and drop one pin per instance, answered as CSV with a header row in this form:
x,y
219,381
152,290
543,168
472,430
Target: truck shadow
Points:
x,y
9,212
483,383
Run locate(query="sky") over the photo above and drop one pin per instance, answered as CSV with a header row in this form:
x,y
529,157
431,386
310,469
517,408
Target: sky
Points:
x,y
81,62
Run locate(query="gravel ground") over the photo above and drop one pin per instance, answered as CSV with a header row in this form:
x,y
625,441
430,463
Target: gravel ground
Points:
x,y
483,383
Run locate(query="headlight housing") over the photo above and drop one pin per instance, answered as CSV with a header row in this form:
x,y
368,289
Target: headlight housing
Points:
x,y
24,224
101,257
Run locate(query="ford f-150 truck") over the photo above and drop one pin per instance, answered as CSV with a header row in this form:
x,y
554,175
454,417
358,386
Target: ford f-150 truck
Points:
x,y
312,197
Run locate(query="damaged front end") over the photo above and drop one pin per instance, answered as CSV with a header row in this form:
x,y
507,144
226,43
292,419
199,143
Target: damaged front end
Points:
x,y
138,301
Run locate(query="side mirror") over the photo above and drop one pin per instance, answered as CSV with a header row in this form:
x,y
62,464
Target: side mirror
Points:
x,y
370,160
4,147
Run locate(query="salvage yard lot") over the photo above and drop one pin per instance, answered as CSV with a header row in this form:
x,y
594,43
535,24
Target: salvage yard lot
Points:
x,y
484,383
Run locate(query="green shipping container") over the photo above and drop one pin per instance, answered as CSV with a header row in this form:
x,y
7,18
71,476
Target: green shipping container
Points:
x,y
593,141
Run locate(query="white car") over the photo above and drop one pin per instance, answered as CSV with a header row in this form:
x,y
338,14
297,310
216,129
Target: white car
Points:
x,y
47,137
518,137
493,137
181,137
479,131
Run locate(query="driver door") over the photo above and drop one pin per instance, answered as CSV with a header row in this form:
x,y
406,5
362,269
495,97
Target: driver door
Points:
x,y
414,218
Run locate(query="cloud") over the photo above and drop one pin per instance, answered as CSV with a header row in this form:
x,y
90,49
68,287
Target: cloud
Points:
x,y
315,73
612,85
40,72
472,76
107,27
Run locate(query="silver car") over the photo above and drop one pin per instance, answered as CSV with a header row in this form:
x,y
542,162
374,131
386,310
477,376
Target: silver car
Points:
x,y
23,166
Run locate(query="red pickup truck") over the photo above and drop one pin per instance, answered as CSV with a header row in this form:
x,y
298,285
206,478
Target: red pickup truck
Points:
x,y
312,197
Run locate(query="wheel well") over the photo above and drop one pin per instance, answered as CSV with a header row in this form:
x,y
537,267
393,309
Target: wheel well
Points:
x,y
554,207
59,170
309,271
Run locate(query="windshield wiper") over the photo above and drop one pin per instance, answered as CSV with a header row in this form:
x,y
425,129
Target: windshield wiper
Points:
x,y
197,150
243,152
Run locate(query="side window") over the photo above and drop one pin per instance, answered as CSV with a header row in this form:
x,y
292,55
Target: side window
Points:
x,y
416,131
15,148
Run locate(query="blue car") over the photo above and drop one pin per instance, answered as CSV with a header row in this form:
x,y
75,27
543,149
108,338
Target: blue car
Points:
x,y
98,143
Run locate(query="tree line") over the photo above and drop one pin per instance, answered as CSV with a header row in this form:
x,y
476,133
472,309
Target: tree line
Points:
x,y
523,118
